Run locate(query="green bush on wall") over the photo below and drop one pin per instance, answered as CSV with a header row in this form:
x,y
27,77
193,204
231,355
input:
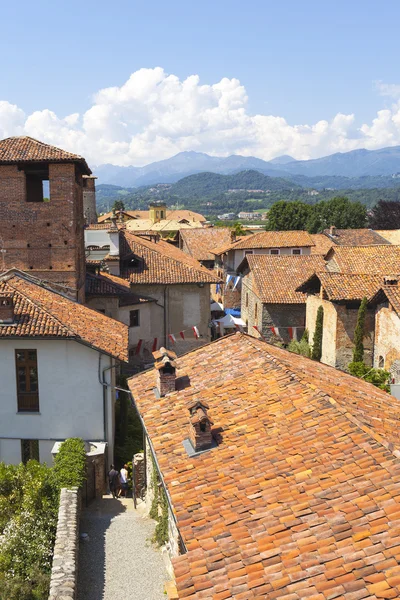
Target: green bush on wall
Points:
x,y
70,464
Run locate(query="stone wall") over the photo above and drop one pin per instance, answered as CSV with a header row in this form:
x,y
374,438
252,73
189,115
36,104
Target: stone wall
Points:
x,y
64,573
387,336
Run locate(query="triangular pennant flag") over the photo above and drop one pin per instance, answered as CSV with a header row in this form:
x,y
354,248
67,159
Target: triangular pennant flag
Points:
x,y
236,282
273,330
139,347
290,332
155,342
196,332
182,334
172,338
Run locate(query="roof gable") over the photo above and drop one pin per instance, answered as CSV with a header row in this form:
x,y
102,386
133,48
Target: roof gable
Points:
x,y
199,241
343,286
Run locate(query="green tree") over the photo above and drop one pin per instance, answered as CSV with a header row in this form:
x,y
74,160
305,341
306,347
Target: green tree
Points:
x,y
385,215
317,341
288,216
238,228
378,377
338,211
118,205
358,352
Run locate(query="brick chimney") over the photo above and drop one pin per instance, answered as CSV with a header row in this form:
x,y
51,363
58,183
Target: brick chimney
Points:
x,y
6,309
332,230
165,366
200,426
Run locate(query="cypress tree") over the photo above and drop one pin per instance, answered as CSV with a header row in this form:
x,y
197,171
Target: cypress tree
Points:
x,y
317,341
358,352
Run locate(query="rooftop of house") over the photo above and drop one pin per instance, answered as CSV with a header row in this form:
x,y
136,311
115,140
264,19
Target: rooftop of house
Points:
x,y
391,293
108,285
300,498
342,286
197,242
372,260
355,237
276,278
269,239
391,235
322,244
176,215
24,149
160,263
160,226
41,312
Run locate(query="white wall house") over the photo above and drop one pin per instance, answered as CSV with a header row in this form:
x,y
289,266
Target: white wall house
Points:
x,y
57,370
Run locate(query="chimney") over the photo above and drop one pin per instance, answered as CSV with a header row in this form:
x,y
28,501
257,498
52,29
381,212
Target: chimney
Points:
x,y
89,198
332,230
233,237
6,309
200,434
165,366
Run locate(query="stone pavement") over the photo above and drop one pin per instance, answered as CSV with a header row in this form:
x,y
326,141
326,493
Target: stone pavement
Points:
x,y
117,560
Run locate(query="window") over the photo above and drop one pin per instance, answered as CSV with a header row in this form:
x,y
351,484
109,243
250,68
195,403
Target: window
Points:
x,y
274,251
248,252
247,300
162,214
381,362
134,318
27,380
296,250
255,312
157,213
37,183
29,450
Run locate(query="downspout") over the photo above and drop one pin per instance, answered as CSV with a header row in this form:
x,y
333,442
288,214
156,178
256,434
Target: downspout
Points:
x,y
165,315
106,385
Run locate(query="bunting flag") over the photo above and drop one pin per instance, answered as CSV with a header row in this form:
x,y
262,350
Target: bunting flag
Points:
x,y
290,332
275,331
172,338
236,282
196,332
154,348
228,278
218,287
182,334
139,347
239,327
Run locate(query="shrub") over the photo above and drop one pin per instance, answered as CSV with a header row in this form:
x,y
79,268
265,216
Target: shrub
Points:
x,y
378,377
358,352
70,464
302,347
316,352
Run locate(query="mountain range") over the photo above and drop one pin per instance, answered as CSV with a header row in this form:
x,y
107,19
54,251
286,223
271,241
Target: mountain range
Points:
x,y
354,164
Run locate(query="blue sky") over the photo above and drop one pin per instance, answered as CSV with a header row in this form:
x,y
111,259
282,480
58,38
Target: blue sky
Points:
x,y
300,61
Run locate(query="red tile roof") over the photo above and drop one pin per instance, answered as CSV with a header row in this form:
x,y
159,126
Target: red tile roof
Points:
x,y
270,239
372,260
197,242
300,499
161,263
25,149
391,293
355,237
344,286
322,244
276,278
42,313
174,215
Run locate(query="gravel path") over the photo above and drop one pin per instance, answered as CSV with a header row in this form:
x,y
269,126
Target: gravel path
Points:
x,y
117,561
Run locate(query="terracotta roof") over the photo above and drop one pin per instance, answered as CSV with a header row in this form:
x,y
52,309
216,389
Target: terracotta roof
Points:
x,y
105,284
344,286
175,215
300,499
42,313
270,239
389,292
95,226
197,242
161,263
25,149
322,244
373,260
164,225
391,235
276,278
355,237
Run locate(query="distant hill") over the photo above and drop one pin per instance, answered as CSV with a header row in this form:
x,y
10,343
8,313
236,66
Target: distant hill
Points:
x,y
357,163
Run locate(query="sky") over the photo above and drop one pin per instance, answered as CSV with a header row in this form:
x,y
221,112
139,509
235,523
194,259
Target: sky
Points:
x,y
129,82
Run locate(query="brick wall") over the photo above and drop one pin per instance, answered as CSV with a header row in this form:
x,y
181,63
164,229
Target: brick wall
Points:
x,y
44,238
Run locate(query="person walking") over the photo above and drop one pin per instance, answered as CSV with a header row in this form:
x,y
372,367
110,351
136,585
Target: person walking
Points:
x,y
113,481
123,476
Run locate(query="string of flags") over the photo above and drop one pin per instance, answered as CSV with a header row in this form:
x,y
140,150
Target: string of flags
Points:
x,y
230,278
171,336
294,333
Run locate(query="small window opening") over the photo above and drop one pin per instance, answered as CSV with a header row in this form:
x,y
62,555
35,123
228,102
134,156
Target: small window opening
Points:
x,y
37,183
203,427
381,362
274,251
247,299
134,320
296,251
29,450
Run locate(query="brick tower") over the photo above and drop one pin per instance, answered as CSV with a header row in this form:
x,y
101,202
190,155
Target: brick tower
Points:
x,y
41,212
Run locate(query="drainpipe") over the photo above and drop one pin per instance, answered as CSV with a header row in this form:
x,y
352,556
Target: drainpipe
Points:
x,y
165,315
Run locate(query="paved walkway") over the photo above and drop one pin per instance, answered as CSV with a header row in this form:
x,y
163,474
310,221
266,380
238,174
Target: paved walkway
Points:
x,y
117,561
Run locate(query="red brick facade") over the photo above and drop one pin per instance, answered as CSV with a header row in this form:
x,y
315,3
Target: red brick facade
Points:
x,y
44,238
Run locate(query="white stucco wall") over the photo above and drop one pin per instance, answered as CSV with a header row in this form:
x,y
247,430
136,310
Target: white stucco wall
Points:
x,y
97,237
234,261
70,397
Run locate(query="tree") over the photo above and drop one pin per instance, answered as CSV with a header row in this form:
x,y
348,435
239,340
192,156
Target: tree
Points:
x,y
385,215
317,341
340,212
378,377
358,352
238,228
118,205
288,216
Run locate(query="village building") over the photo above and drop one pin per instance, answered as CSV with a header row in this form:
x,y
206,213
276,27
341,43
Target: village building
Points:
x,y
354,237
197,243
173,288
387,327
296,493
372,260
322,244
57,367
340,295
41,212
230,256
271,305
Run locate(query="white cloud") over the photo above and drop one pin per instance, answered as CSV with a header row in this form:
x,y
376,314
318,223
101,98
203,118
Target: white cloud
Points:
x,y
154,115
